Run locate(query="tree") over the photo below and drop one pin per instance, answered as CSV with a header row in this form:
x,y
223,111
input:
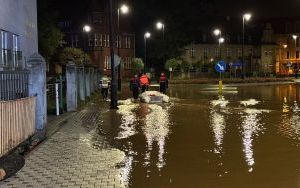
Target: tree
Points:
x,y
50,37
75,55
137,65
172,63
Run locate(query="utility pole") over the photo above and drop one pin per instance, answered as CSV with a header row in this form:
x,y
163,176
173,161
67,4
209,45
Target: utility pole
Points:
x,y
114,93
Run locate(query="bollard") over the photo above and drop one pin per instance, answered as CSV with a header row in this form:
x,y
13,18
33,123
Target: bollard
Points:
x,y
57,98
220,87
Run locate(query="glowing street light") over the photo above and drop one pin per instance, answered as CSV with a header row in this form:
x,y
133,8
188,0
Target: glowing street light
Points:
x,y
123,9
221,40
217,32
87,28
161,26
246,17
147,35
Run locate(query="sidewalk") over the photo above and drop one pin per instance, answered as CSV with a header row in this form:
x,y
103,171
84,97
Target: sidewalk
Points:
x,y
74,156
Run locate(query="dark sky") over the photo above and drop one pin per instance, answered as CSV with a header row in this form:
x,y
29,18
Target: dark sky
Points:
x,y
261,8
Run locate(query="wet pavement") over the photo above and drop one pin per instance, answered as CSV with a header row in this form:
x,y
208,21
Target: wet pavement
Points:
x,y
76,156
248,137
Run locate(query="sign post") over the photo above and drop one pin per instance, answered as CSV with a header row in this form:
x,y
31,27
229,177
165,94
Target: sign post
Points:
x,y
221,68
170,70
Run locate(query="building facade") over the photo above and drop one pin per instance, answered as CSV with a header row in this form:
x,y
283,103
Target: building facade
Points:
x,y
18,33
262,53
97,42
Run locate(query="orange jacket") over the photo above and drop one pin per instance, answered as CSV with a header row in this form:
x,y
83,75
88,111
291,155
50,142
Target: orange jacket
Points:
x,y
144,80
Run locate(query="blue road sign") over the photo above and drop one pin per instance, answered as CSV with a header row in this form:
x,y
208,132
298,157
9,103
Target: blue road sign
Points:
x,y
220,66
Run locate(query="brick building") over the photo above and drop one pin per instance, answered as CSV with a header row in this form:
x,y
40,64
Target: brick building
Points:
x,y
96,42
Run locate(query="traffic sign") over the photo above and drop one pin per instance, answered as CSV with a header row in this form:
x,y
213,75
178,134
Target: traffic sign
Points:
x,y
220,67
117,60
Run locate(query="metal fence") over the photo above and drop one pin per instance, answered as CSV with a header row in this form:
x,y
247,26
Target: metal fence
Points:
x,y
13,85
17,122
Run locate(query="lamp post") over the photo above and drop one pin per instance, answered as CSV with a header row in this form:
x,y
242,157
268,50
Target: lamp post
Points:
x,y
218,33
147,35
246,18
124,9
295,37
161,26
114,93
86,29
221,40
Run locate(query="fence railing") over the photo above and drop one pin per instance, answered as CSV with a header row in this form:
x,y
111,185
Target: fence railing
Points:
x,y
13,85
17,122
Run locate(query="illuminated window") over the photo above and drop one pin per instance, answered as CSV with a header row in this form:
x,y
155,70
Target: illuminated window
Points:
x,y
192,52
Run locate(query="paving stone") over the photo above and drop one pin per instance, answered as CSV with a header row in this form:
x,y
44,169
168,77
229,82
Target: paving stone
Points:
x,y
68,158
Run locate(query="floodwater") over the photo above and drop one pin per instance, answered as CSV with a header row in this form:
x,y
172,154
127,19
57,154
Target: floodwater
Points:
x,y
248,137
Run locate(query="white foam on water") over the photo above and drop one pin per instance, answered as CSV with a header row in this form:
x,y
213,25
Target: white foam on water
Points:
x,y
222,102
128,119
250,102
156,129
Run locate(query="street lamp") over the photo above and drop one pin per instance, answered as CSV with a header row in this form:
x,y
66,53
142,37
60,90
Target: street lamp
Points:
x,y
124,9
147,35
86,29
295,37
161,26
221,41
246,18
218,33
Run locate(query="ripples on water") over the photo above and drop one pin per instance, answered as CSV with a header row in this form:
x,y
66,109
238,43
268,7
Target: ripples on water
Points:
x,y
290,124
156,129
251,128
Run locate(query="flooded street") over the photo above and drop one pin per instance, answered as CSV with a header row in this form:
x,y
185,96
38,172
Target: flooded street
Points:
x,y
248,137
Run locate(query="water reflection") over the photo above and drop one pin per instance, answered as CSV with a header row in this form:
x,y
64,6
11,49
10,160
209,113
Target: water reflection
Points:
x,y
156,129
251,128
290,123
217,120
128,120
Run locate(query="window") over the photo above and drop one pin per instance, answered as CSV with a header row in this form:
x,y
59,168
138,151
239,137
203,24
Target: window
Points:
x,y
17,55
206,51
217,52
228,52
192,52
127,42
106,62
74,41
119,41
288,55
100,40
96,37
127,62
106,40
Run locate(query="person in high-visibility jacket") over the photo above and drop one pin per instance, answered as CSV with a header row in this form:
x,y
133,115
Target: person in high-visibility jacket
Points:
x,y
163,83
144,82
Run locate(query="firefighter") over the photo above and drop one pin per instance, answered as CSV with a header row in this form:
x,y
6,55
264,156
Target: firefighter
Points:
x,y
163,83
144,82
135,86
